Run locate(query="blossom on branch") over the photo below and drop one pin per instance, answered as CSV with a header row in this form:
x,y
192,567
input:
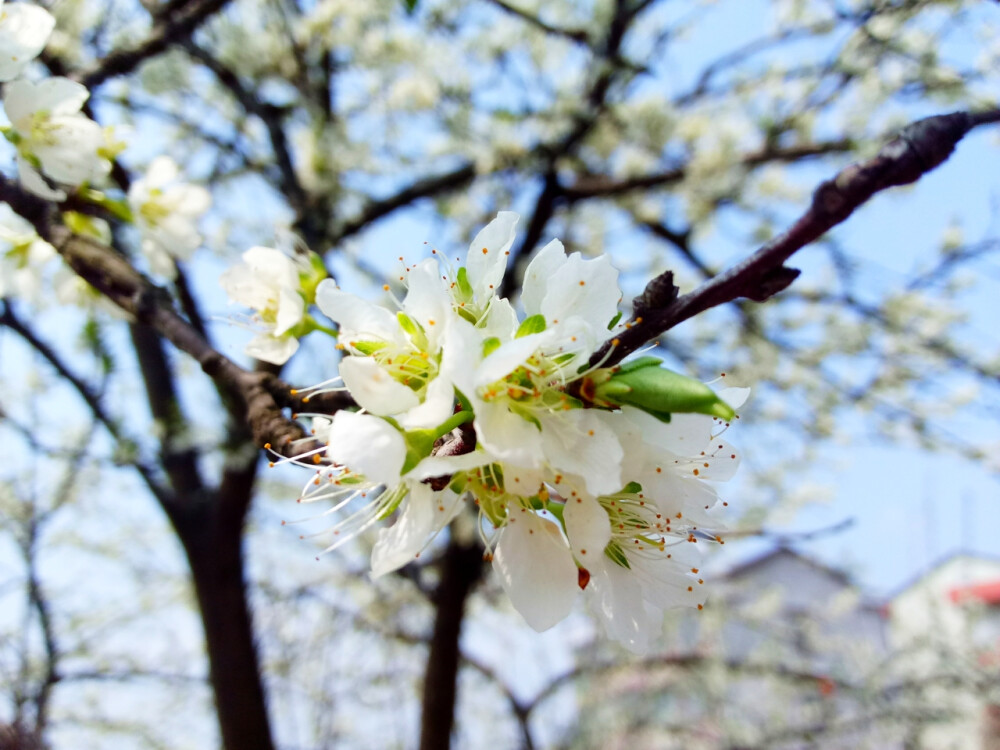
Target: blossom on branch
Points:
x,y
585,477
278,288
23,256
24,31
166,211
55,141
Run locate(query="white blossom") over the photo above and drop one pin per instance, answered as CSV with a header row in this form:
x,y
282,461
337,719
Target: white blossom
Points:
x,y
583,493
166,211
268,281
54,138
24,30
23,256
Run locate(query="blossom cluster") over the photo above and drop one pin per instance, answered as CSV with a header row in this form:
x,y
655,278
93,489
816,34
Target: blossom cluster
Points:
x,y
60,150
586,478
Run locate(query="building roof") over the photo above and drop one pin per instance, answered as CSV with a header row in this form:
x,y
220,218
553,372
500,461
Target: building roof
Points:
x,y
986,593
938,564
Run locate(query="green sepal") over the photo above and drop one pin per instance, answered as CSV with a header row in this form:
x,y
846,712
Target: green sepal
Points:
x,y
368,348
465,290
490,345
307,325
118,208
463,400
310,279
614,320
85,226
414,330
530,325
419,444
638,364
632,488
616,554
661,392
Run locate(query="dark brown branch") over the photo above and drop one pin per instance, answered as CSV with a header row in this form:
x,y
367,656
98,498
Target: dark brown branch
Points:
x,y
272,117
423,188
113,277
462,568
579,36
919,148
610,66
169,28
604,187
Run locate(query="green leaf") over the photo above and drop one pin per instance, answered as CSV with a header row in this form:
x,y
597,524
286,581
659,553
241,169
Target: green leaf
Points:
x,y
533,324
632,488
614,320
490,345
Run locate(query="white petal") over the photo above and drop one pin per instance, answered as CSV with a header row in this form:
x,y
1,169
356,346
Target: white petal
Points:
x,y
683,435
191,200
618,602
461,354
161,172
720,463
424,513
508,436
367,445
245,287
579,442
536,569
584,288
271,349
24,30
55,96
70,154
272,266
539,273
501,320
374,389
508,357
487,258
357,317
33,182
438,405
588,529
427,299
665,584
735,397
291,308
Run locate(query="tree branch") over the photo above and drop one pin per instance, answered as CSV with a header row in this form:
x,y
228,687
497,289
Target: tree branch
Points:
x,y
169,28
919,148
422,188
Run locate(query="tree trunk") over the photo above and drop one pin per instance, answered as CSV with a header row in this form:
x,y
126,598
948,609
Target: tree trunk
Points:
x,y
462,567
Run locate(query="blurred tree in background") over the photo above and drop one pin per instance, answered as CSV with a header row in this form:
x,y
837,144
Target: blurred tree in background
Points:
x,y
151,596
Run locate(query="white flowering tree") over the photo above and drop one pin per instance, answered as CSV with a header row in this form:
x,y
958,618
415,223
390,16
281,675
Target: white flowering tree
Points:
x,y
506,404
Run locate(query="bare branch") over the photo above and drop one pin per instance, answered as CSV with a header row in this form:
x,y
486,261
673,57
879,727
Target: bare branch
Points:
x,y
919,148
169,28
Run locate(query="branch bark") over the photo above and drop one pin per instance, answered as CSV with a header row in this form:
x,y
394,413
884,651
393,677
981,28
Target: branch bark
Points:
x,y
462,567
919,148
169,28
